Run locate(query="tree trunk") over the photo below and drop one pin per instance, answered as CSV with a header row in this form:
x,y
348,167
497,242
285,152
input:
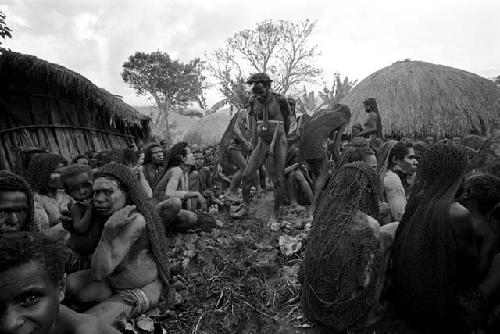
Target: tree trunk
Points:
x,y
167,126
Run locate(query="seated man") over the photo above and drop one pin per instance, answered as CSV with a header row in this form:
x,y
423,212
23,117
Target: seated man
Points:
x,y
401,159
204,175
129,264
32,287
181,200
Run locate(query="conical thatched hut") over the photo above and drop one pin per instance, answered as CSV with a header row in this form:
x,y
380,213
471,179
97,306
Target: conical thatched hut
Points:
x,y
47,105
208,130
417,99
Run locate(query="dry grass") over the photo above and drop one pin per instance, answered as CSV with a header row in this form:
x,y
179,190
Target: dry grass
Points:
x,y
417,99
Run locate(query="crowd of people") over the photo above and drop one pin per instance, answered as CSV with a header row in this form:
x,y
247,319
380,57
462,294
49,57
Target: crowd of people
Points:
x,y
398,226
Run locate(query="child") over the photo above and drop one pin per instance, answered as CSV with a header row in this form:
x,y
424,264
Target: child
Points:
x,y
77,182
85,231
32,287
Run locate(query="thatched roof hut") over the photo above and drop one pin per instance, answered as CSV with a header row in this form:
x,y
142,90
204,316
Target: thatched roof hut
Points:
x,y
208,130
417,99
46,105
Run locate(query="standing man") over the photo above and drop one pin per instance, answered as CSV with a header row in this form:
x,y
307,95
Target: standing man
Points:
x,y
270,111
373,124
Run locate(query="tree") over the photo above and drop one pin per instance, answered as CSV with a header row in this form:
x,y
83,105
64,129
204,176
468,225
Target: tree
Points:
x,y
4,30
170,83
339,89
278,48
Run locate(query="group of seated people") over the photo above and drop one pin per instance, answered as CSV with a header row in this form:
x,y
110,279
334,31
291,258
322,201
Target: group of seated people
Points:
x,y
93,233
401,225
407,230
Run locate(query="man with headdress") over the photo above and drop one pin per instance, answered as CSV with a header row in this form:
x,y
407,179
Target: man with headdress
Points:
x,y
270,111
331,123
16,204
373,123
130,264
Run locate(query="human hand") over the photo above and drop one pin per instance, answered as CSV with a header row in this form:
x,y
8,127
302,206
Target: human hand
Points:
x,y
65,218
120,219
202,201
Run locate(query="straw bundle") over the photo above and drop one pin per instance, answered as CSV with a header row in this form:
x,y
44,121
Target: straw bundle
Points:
x,y
417,99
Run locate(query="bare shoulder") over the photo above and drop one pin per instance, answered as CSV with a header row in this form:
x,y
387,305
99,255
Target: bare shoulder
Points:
x,y
461,221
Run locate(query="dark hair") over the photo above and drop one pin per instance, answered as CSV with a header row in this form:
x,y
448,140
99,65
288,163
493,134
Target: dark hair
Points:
x,y
148,156
13,182
73,170
78,157
19,248
177,152
425,254
130,156
41,166
398,152
485,190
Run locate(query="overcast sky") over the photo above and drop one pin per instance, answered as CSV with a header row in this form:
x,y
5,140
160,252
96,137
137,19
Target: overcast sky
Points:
x,y
356,38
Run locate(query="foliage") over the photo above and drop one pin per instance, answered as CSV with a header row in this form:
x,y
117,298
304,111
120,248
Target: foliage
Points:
x,y
5,31
279,48
308,102
497,80
170,83
339,89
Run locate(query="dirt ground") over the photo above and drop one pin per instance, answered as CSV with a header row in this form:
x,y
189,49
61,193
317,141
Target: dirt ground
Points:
x,y
242,277
235,279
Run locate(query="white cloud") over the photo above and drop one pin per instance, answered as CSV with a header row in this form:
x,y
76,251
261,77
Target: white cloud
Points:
x,y
356,38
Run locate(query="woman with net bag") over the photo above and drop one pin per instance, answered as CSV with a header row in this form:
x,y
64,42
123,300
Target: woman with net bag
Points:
x,y
343,272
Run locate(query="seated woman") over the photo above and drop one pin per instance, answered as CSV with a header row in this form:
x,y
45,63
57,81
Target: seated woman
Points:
x,y
436,281
129,265
32,287
50,199
181,201
16,204
345,261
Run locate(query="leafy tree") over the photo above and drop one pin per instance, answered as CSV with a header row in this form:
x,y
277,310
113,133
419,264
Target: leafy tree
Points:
x,y
170,83
4,30
279,48
339,89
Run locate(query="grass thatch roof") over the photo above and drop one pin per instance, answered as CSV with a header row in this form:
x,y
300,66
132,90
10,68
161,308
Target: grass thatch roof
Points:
x,y
208,130
30,68
417,99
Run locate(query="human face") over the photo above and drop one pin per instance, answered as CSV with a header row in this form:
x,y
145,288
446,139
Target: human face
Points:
x,y
409,163
14,210
108,197
157,154
140,161
79,186
258,88
371,160
54,180
82,161
188,159
199,159
29,300
367,107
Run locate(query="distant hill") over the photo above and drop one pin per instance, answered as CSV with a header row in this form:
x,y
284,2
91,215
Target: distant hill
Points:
x,y
179,124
